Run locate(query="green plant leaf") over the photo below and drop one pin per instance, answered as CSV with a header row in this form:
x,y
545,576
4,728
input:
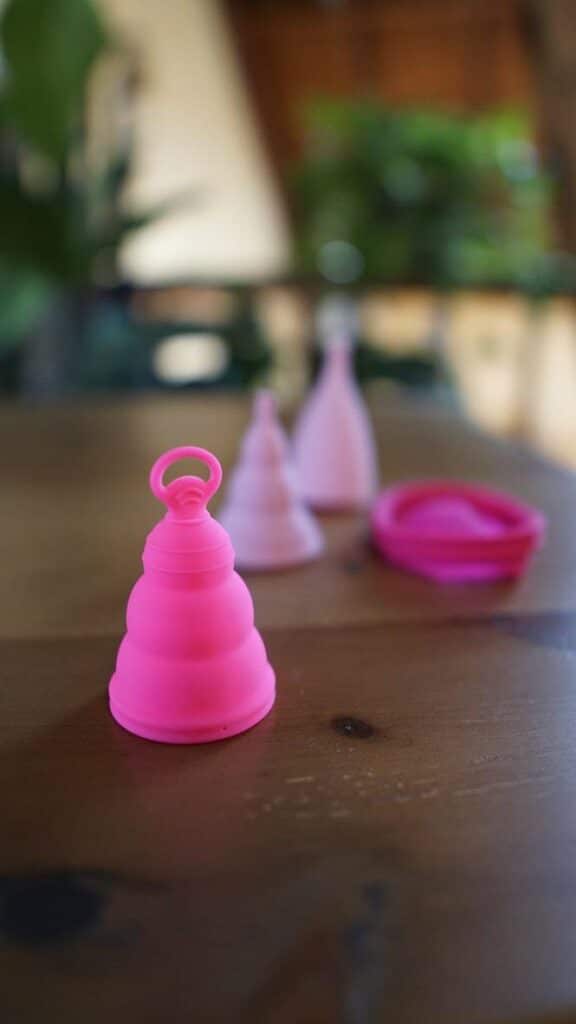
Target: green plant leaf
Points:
x,y
126,222
24,296
423,196
49,48
38,234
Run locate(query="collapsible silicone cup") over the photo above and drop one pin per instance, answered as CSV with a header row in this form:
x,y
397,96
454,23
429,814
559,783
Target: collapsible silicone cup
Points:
x,y
191,668
454,532
268,522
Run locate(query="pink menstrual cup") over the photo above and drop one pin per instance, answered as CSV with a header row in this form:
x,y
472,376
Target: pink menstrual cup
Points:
x,y
452,532
191,667
269,524
334,451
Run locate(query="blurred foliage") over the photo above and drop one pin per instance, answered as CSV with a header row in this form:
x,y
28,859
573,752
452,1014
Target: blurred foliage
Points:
x,y
63,210
425,197
51,234
49,49
62,204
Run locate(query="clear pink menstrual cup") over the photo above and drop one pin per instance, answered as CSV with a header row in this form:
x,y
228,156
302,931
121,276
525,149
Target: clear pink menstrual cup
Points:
x,y
268,522
191,668
334,449
453,532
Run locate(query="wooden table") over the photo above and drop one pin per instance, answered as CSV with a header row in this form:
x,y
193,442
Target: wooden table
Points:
x,y
395,843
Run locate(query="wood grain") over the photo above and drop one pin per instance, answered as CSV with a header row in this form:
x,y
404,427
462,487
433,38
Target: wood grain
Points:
x,y
394,843
233,878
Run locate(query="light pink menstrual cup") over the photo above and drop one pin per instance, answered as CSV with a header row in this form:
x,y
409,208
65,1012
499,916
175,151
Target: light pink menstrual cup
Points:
x,y
191,668
269,524
334,450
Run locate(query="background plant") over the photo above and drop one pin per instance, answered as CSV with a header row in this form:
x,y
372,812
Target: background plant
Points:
x,y
421,196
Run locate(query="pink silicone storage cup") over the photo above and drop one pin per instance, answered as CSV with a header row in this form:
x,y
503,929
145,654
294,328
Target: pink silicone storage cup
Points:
x,y
453,531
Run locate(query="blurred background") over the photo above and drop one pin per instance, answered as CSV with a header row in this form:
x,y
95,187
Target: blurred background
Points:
x,y
194,193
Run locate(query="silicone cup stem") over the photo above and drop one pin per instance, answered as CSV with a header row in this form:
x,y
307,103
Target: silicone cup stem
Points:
x,y
186,494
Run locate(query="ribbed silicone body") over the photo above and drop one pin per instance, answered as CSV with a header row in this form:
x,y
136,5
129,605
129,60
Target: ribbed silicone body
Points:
x,y
192,667
264,513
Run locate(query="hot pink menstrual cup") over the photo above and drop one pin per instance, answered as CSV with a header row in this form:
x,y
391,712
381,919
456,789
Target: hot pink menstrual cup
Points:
x,y
269,524
191,668
334,450
452,532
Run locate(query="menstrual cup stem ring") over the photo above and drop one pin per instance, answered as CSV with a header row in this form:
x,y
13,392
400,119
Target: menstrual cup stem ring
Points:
x,y
172,494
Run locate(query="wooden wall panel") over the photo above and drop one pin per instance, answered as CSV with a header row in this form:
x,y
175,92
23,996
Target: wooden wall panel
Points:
x,y
459,54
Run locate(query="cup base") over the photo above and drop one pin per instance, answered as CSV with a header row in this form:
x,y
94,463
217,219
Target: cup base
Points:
x,y
161,734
